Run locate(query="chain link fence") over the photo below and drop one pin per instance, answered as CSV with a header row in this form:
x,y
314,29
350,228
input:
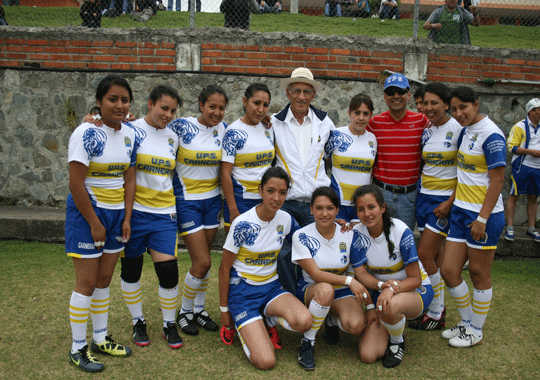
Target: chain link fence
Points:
x,y
444,22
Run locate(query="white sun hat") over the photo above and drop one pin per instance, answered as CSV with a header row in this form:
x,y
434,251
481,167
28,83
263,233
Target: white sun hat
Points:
x,y
301,75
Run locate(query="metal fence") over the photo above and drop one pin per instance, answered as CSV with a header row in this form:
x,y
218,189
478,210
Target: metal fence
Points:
x,y
437,16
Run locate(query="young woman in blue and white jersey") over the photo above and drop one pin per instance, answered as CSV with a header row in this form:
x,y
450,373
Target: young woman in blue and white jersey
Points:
x,y
352,151
436,195
247,151
325,252
98,213
389,266
198,200
249,287
477,218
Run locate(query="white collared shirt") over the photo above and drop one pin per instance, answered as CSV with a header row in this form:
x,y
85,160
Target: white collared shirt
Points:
x,y
302,134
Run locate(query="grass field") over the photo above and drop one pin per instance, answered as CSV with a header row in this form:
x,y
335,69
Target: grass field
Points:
x,y
500,36
37,280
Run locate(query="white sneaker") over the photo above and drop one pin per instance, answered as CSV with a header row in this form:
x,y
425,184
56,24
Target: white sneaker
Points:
x,y
455,331
466,339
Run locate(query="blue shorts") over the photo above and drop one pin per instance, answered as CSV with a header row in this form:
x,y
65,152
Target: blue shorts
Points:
x,y
247,303
302,286
527,181
197,214
348,213
243,205
426,293
79,241
425,218
459,232
153,231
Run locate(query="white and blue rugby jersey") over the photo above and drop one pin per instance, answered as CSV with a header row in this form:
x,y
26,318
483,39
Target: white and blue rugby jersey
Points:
x,y
374,252
156,160
257,244
332,255
197,160
352,160
108,154
439,152
251,150
483,148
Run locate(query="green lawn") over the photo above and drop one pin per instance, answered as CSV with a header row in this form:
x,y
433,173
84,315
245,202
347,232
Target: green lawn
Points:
x,y
501,36
37,280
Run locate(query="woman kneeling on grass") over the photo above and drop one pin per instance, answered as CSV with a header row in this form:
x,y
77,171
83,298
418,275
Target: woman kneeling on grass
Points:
x,y
98,213
400,286
249,287
325,252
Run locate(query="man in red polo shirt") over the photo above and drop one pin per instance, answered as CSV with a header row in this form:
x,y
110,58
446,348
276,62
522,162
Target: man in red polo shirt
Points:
x,y
398,133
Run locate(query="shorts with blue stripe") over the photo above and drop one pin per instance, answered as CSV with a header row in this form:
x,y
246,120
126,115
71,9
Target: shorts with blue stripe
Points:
x,y
425,218
526,181
459,232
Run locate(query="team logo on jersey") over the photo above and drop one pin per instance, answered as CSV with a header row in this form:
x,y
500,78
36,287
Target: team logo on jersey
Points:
x,y
310,243
94,140
344,259
473,140
338,141
234,140
245,233
216,138
449,136
280,231
342,247
127,142
184,129
442,223
370,143
171,146
426,135
267,134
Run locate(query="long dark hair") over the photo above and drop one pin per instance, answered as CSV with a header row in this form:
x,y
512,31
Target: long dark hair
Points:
x,y
386,217
275,172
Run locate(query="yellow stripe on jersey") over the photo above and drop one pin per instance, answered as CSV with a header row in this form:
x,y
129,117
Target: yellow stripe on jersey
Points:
x,y
259,259
250,186
352,164
154,198
472,163
440,159
108,196
387,270
284,163
254,277
199,186
107,170
471,193
434,183
348,190
155,165
197,158
254,160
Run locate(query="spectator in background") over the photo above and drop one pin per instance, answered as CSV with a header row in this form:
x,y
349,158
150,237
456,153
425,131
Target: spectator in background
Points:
x,y
2,17
389,9
179,5
270,6
332,8
238,12
11,2
363,8
145,9
448,24
91,13
419,99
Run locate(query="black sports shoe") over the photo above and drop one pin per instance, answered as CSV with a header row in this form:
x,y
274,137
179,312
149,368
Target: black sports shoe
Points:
x,y
171,334
140,336
110,347
186,322
427,323
331,333
85,360
306,355
204,320
394,354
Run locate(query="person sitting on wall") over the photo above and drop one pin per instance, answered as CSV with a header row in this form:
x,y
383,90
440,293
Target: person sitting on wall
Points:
x,y
448,24
91,13
389,9
363,8
270,6
238,12
144,10
332,8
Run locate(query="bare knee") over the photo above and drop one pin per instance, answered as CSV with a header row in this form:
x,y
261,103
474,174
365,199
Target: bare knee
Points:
x,y
200,268
368,357
353,326
302,322
264,362
324,294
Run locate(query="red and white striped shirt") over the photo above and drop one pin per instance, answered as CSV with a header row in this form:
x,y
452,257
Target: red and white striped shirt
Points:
x,y
399,148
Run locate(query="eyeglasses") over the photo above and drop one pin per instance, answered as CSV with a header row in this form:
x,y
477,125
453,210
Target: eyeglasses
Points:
x,y
390,91
297,91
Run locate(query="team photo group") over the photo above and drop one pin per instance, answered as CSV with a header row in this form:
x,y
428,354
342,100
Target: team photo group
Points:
x,y
319,218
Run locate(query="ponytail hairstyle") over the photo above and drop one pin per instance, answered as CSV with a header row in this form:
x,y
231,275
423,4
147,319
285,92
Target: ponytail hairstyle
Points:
x,y
386,217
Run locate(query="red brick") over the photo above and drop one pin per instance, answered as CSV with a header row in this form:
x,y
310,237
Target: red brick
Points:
x,y
371,61
471,73
249,47
293,64
75,50
302,57
257,55
11,63
212,69
347,74
120,51
168,53
234,54
88,58
224,61
16,55
491,60
56,65
14,48
324,73
58,50
168,45
105,58
515,76
397,62
127,59
212,54
457,79
436,78
44,57
519,69
504,68
432,70
323,58
76,65
362,53
479,67
316,65
279,56
515,61
257,70
457,65
36,42
149,45
533,63
145,52
436,64
471,59
339,66
13,41
127,44
225,47
340,51
312,50
532,77
272,63
380,68
60,57
492,74
454,58
207,46
275,71
370,75
294,49
150,60
270,48
102,43
249,62
167,60
166,67
449,72
207,61
433,57
383,54
81,43
98,51
234,69
362,67
144,67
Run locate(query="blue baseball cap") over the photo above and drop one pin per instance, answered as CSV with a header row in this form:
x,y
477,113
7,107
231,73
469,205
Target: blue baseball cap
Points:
x,y
396,80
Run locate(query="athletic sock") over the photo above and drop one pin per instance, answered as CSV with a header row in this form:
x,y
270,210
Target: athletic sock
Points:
x,y
191,285
318,313
510,228
99,309
531,229
273,320
462,298
168,299
244,346
79,308
480,307
436,306
132,296
396,331
201,295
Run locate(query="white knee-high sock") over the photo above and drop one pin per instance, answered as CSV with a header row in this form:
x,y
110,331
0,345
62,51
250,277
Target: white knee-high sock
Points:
x,y
396,331
273,320
462,298
436,306
200,298
318,313
132,296
79,308
191,286
99,309
480,308
168,299
244,346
